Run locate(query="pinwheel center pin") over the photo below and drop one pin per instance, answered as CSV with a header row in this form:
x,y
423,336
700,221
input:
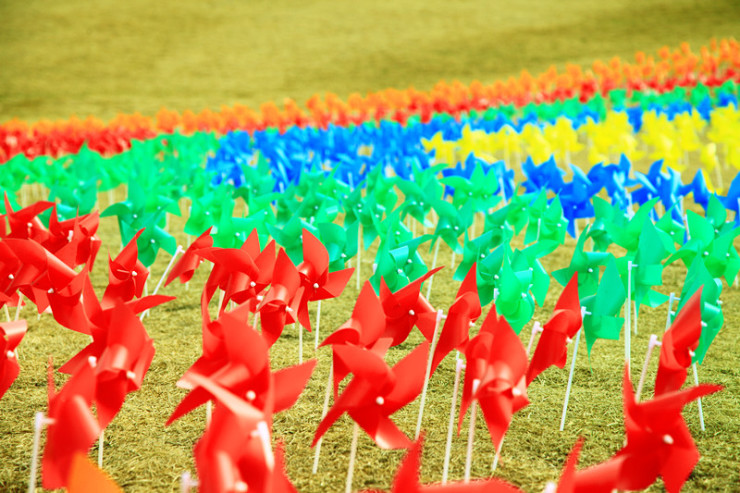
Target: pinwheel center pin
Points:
x,y
379,400
316,285
130,375
252,284
251,395
667,439
516,392
240,486
92,360
11,276
10,354
412,313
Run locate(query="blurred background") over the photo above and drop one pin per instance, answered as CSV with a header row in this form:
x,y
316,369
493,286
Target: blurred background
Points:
x,y
103,57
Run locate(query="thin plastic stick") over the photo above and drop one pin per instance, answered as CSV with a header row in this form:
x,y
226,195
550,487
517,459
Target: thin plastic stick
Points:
x,y
323,414
434,265
653,342
535,329
628,317
209,412
7,312
187,482
427,374
39,421
670,313
101,440
359,257
300,342
497,456
570,379
451,425
471,433
698,401
18,308
164,276
318,322
352,456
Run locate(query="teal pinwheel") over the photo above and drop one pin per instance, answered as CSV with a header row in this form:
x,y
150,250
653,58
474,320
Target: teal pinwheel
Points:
x,y
381,188
716,215
452,223
152,239
527,260
587,264
74,199
367,212
714,247
232,232
546,220
340,243
418,197
400,264
517,214
602,320
711,308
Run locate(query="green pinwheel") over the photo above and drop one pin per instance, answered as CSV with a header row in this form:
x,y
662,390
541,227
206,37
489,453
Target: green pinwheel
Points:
x,y
452,223
647,268
381,188
340,243
546,221
392,230
207,209
367,212
232,232
400,264
419,194
716,215
496,224
477,191
625,231
602,320
488,273
713,246
475,250
587,264
290,237
514,301
74,199
603,215
518,210
152,239
672,231
712,317
527,260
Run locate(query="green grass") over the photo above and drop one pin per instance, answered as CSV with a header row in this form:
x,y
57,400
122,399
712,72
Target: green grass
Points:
x,y
103,57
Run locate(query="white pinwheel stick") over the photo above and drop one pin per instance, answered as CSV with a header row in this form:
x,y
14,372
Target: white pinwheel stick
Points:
x,y
39,421
653,343
428,374
450,426
584,312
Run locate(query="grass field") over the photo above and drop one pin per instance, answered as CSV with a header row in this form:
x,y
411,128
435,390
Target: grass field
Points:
x,y
106,57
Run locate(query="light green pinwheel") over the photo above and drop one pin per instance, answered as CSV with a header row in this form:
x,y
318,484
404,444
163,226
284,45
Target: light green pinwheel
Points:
x,y
602,320
477,191
626,232
488,273
603,215
672,233
290,237
474,250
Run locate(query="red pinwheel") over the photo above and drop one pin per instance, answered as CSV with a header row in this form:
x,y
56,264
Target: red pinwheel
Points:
x,y
679,344
234,453
191,259
658,443
552,348
24,223
74,241
127,275
40,273
235,357
496,363
12,333
376,391
317,281
242,273
407,479
123,363
405,308
72,426
364,329
463,313
279,307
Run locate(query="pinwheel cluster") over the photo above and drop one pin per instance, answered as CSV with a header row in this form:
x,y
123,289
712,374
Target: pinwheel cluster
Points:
x,y
50,267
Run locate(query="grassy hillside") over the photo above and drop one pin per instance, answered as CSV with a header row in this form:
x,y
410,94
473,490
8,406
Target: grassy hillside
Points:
x,y
103,57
